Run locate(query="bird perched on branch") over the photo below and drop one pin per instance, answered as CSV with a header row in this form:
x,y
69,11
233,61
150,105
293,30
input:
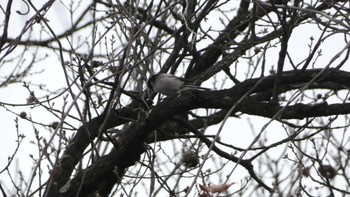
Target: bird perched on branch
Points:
x,y
170,85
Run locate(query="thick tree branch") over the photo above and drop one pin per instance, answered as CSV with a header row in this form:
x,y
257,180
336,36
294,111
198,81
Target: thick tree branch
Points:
x,y
130,145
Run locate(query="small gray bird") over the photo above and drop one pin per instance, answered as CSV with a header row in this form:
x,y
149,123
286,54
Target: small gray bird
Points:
x,y
170,85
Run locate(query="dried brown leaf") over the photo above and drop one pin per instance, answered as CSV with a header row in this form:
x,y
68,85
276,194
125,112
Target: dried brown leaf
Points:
x,y
215,188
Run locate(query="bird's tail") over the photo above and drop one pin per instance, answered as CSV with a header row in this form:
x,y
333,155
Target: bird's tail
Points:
x,y
193,87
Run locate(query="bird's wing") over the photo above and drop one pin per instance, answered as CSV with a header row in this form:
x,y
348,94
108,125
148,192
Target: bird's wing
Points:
x,y
169,76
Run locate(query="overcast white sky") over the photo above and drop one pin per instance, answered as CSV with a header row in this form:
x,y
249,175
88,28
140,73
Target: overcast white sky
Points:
x,y
236,131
